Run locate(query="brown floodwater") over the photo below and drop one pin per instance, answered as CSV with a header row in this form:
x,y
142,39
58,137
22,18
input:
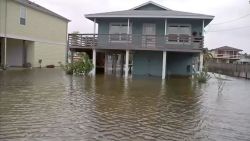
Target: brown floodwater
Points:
x,y
46,104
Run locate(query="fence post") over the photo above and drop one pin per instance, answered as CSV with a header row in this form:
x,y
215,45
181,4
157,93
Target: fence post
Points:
x,y
237,69
245,70
248,70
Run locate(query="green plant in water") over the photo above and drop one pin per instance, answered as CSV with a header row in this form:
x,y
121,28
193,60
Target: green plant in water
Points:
x,y
68,68
220,83
80,67
40,63
202,77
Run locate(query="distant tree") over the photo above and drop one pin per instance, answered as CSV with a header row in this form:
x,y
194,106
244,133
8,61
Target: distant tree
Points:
x,y
207,57
203,76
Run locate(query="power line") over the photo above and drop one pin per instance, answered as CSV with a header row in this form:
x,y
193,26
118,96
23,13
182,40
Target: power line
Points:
x,y
232,29
233,20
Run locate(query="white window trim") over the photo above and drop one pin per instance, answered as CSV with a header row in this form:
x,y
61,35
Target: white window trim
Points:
x,y
178,25
120,23
143,28
20,16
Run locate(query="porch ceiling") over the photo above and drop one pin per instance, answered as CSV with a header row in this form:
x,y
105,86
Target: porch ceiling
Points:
x,y
118,48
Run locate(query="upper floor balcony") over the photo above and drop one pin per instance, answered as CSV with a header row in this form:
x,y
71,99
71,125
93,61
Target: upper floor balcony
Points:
x,y
170,42
227,56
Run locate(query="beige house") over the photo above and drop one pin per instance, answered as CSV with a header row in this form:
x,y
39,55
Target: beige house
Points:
x,y
226,54
30,32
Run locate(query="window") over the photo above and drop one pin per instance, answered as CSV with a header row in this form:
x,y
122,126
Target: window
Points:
x,y
118,31
22,19
179,33
149,29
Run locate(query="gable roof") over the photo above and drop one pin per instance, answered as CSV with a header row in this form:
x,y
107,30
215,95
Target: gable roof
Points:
x,y
148,3
227,48
164,13
149,14
41,9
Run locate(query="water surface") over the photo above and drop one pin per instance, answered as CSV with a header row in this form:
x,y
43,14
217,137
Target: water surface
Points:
x,y
46,104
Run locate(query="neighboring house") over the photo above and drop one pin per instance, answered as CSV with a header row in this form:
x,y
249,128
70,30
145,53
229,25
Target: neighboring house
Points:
x,y
225,54
30,32
244,59
149,39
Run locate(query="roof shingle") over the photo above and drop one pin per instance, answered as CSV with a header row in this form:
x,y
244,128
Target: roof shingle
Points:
x,y
166,13
40,8
227,48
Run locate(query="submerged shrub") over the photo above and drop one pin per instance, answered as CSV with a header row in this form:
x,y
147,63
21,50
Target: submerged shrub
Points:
x,y
202,77
68,68
80,67
221,83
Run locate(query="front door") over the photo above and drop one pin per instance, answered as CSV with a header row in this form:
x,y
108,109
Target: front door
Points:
x,y
148,37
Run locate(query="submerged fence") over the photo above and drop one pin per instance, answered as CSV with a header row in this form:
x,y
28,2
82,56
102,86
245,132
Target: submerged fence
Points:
x,y
237,70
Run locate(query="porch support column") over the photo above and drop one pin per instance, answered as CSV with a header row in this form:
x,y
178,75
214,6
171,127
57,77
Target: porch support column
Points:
x,y
164,56
164,60
71,56
166,26
201,54
5,53
94,62
122,63
201,62
203,26
106,62
24,54
127,64
128,27
94,26
67,47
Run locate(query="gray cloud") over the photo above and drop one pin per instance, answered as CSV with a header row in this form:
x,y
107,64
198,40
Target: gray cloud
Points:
x,y
219,35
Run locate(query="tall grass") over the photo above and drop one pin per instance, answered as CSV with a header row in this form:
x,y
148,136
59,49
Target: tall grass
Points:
x,y
202,77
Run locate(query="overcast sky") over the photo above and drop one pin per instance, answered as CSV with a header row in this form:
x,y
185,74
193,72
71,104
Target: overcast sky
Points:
x,y
231,25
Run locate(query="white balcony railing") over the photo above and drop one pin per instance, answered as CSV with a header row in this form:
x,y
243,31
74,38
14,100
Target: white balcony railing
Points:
x,y
227,56
124,41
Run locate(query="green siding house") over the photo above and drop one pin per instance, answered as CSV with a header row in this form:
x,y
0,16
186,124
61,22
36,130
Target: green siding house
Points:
x,y
149,39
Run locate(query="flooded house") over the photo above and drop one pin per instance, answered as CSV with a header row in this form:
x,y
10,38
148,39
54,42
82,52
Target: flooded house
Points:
x,y
149,39
226,54
29,33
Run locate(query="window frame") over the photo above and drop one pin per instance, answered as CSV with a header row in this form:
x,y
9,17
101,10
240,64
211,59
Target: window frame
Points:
x,y
120,34
21,16
178,26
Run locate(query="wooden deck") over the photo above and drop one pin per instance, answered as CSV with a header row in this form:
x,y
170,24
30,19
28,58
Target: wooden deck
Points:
x,y
135,42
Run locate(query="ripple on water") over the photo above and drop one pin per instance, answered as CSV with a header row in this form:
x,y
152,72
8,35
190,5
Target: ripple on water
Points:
x,y
45,104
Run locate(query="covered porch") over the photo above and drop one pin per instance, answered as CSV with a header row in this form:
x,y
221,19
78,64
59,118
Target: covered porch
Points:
x,y
15,52
143,62
142,34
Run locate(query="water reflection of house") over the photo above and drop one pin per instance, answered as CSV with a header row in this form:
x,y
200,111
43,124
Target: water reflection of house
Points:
x,y
149,39
226,54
